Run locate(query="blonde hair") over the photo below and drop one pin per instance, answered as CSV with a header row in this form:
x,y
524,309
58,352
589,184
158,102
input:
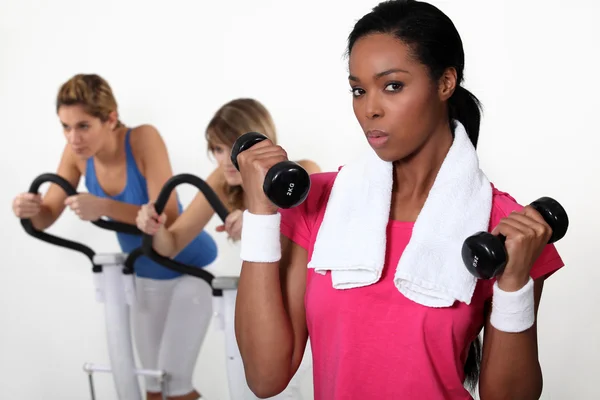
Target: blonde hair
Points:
x,y
91,92
231,121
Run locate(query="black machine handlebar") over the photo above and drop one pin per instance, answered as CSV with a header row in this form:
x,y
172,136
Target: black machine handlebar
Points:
x,y
104,224
146,248
159,206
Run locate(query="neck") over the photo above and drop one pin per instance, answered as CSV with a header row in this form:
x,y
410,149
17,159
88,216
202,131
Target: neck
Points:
x,y
111,150
414,175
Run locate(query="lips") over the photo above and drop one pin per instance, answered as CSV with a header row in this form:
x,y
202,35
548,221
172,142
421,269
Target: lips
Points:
x,y
377,138
375,133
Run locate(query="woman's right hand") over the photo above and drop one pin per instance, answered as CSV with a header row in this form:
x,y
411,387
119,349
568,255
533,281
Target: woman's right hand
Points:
x,y
148,221
254,164
27,205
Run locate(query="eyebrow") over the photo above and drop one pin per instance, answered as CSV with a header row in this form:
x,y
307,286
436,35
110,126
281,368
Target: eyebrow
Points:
x,y
381,74
77,123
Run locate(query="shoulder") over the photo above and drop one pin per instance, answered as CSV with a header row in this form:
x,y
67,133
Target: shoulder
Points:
x,y
502,205
147,144
69,160
298,223
320,188
145,136
310,166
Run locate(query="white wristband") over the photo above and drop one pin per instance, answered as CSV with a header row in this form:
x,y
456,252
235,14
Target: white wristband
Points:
x,y
260,240
513,311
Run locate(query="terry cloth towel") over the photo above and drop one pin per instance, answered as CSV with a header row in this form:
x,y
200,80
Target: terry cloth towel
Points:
x,y
351,242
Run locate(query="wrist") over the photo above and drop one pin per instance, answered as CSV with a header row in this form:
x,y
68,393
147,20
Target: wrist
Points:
x,y
512,283
260,237
104,205
513,311
258,207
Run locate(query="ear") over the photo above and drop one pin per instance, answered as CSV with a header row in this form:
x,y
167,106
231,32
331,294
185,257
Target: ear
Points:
x,y
447,84
113,119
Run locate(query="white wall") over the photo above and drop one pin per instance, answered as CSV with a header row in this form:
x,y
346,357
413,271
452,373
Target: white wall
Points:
x,y
173,66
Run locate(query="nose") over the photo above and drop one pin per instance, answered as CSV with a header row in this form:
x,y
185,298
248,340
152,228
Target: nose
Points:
x,y
74,137
373,106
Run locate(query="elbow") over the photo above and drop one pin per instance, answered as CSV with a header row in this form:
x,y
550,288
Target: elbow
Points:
x,y
530,391
163,252
266,380
267,387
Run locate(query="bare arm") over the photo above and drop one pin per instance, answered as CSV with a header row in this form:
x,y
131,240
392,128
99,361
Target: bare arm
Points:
x,y
510,367
270,319
53,201
119,211
149,147
310,166
170,241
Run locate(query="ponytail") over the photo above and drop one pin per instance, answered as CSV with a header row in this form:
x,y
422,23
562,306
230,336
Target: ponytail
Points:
x,y
466,108
473,364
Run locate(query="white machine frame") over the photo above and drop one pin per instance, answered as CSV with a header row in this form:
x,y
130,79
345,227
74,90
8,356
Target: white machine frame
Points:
x,y
116,290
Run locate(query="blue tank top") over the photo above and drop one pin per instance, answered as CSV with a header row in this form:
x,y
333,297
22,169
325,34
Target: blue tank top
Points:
x,y
199,253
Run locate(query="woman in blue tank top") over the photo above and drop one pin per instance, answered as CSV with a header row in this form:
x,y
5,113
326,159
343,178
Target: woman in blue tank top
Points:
x,y
125,168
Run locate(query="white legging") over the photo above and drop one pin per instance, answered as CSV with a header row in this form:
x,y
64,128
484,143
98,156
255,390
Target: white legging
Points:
x,y
170,320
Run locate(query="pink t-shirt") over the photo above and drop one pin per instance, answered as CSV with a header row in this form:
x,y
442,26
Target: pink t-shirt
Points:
x,y
372,342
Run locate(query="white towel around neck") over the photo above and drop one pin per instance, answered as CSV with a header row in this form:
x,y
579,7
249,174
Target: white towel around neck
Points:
x,y
351,242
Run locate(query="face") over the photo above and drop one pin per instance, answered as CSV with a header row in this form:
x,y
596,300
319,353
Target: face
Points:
x,y
222,154
84,133
395,101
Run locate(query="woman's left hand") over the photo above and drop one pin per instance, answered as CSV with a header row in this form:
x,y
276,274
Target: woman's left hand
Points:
x,y
527,233
87,206
233,225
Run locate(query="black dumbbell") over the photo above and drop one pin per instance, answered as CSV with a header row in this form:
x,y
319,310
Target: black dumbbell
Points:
x,y
485,255
286,184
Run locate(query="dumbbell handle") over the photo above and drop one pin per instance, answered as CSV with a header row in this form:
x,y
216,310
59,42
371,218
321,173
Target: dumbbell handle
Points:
x,y
286,183
554,215
485,254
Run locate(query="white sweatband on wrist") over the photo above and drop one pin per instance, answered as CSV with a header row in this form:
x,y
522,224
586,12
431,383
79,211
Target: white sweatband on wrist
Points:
x,y
260,241
513,311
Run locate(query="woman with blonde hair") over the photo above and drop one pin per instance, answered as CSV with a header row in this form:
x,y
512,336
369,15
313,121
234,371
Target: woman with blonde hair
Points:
x,y
124,167
231,121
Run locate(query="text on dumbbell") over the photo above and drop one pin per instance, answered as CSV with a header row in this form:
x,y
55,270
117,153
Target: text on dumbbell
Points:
x,y
290,189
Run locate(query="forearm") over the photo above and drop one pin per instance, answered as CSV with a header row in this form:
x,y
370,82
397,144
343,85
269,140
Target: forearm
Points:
x,y
263,329
119,211
44,219
164,243
510,367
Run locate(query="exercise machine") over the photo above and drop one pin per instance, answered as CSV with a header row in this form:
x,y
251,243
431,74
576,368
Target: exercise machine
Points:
x,y
114,285
224,288
113,280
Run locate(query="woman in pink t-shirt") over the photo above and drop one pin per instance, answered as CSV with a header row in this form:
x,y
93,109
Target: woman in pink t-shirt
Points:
x,y
406,65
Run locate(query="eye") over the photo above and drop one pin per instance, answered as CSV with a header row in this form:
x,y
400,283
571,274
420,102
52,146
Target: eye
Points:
x,y
394,87
357,92
218,149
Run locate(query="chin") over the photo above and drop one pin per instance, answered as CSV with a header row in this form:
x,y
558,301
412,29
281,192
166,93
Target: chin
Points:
x,y
84,156
233,180
389,155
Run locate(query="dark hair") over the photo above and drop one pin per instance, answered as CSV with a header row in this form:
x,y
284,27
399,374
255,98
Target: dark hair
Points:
x,y
434,42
